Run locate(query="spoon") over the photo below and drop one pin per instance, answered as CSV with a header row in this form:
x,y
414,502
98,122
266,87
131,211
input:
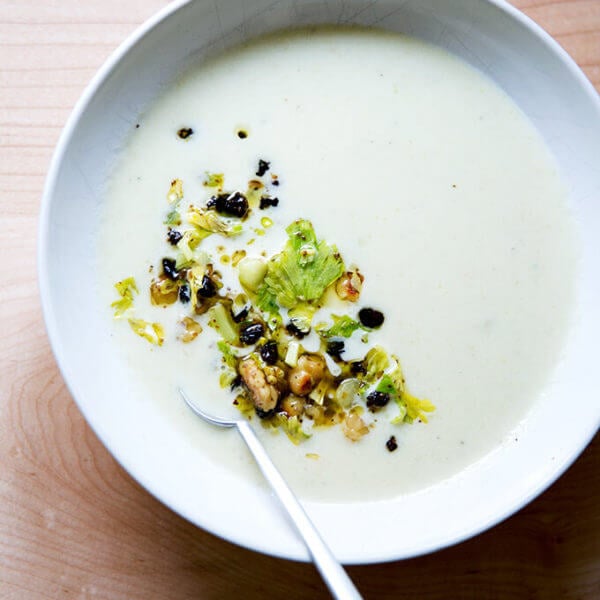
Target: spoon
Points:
x,y
333,574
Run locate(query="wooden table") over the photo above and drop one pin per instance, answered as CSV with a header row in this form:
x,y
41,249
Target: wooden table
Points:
x,y
72,523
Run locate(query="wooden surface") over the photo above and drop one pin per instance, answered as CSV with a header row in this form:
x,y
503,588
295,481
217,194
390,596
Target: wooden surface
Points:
x,y
72,523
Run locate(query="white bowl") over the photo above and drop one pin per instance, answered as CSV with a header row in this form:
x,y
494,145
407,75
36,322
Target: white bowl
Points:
x,y
490,35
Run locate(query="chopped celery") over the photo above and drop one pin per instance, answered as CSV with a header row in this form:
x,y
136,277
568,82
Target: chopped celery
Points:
x,y
214,180
221,320
348,392
386,386
318,394
278,296
190,241
302,271
126,288
396,375
292,428
376,362
244,405
175,191
252,271
415,407
291,356
332,366
152,332
229,357
399,418
173,218
210,221
301,317
343,326
266,301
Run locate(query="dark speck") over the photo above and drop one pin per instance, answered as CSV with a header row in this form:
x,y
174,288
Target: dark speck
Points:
x,y
238,317
391,444
268,352
250,334
137,125
377,400
263,167
264,414
266,201
173,237
169,269
335,348
242,134
237,382
234,205
184,293
371,318
185,132
294,330
207,289
358,368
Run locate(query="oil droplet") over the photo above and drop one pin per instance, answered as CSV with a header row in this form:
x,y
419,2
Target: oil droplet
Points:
x,y
237,256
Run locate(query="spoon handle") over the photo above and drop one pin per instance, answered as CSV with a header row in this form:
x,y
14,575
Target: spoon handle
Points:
x,y
333,574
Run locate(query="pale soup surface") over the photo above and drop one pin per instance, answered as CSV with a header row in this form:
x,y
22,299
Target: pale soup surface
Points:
x,y
426,176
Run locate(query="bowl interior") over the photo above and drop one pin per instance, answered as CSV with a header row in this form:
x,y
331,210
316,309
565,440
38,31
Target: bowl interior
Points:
x,y
491,36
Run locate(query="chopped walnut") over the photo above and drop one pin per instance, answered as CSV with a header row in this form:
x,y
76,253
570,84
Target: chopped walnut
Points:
x,y
192,329
292,405
354,427
263,385
349,285
303,378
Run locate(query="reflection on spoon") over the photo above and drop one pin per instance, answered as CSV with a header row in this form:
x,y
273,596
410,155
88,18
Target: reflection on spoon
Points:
x,y
333,574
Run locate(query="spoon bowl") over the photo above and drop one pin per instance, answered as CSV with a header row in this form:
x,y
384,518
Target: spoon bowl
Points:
x,y
332,572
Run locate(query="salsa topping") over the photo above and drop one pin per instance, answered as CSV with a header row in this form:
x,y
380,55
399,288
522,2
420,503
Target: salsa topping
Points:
x,y
291,361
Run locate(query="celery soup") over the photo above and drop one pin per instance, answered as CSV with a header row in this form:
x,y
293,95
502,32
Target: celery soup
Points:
x,y
426,178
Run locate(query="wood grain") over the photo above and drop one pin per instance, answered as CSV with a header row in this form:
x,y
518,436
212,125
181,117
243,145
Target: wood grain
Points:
x,y
73,525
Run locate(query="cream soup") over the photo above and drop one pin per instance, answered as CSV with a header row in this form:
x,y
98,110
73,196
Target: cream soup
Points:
x,y
426,176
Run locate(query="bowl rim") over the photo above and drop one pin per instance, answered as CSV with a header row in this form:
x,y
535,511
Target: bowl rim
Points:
x,y
53,331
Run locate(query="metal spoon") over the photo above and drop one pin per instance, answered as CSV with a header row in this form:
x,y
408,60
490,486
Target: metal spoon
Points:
x,y
333,574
